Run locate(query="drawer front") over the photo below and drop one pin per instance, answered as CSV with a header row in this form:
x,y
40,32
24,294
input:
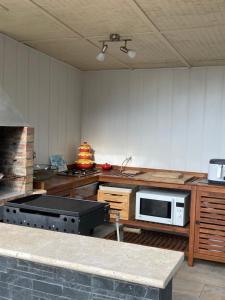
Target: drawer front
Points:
x,y
113,196
210,225
117,205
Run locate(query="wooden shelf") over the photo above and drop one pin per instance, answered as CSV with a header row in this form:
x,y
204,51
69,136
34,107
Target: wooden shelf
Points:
x,y
154,239
156,226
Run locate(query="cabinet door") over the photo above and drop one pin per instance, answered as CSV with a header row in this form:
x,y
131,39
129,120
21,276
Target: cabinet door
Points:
x,y
63,193
210,225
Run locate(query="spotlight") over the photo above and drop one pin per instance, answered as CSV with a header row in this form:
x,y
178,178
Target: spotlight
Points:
x,y
101,55
124,49
129,52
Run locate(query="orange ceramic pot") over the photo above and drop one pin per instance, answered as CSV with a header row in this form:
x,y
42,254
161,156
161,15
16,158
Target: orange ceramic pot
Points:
x,y
84,164
85,155
84,147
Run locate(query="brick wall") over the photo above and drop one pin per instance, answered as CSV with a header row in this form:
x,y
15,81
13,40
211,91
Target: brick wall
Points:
x,y
23,280
16,158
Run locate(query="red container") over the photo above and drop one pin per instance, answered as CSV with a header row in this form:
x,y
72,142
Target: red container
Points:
x,y
106,166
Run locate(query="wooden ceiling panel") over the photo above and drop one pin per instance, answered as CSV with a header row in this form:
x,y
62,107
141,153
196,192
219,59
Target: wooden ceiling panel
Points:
x,y
21,20
97,17
200,46
183,14
76,52
156,65
165,33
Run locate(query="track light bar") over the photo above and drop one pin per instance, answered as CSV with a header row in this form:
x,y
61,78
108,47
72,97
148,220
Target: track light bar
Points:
x,y
115,37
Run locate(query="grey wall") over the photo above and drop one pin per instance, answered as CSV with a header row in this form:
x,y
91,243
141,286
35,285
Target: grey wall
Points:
x,y
165,118
24,280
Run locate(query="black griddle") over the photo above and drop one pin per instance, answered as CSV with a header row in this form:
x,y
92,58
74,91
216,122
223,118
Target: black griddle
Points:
x,y
56,213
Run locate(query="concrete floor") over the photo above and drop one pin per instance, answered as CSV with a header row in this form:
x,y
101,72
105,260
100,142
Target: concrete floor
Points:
x,y
204,281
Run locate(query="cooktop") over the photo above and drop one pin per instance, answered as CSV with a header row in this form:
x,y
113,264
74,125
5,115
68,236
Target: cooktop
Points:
x,y
56,204
80,173
56,213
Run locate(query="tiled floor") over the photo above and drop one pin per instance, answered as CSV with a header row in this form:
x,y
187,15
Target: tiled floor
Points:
x,y
204,281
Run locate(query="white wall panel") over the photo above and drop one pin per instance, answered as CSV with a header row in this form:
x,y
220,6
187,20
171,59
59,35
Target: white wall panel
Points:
x,y
211,142
195,116
22,80
47,92
43,109
179,109
167,118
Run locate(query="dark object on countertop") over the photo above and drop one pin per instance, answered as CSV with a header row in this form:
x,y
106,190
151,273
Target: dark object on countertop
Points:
x,y
56,213
44,172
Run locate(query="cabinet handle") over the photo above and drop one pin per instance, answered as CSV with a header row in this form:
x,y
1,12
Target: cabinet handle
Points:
x,y
197,222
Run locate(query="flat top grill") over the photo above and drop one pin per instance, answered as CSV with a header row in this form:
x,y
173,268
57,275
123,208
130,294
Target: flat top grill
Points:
x,y
56,204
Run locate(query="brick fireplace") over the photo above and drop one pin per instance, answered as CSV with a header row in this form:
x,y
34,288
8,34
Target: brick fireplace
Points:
x,y
16,161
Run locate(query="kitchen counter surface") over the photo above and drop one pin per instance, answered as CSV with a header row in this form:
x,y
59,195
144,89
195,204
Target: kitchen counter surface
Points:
x,y
134,263
105,176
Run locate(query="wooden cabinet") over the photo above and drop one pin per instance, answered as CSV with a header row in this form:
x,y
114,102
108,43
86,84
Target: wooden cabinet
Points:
x,y
68,192
82,187
120,201
210,226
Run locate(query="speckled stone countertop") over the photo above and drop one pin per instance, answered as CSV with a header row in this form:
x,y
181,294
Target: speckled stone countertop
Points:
x,y
134,263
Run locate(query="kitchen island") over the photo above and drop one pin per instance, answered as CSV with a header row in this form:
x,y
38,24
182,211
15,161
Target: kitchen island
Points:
x,y
36,263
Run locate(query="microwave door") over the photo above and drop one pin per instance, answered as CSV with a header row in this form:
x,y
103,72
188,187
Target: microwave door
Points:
x,y
154,210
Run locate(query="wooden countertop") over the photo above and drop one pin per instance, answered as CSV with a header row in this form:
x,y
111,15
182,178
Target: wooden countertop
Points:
x,y
203,184
63,182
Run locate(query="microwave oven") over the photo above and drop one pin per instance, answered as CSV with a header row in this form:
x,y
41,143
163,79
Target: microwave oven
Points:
x,y
162,206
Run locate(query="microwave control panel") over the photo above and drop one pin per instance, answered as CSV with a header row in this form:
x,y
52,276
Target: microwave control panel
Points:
x,y
181,213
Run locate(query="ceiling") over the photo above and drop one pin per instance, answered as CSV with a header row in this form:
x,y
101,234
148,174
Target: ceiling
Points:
x,y
164,33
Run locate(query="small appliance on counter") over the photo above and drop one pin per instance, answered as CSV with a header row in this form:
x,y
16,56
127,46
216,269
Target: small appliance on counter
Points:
x,y
216,173
163,206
